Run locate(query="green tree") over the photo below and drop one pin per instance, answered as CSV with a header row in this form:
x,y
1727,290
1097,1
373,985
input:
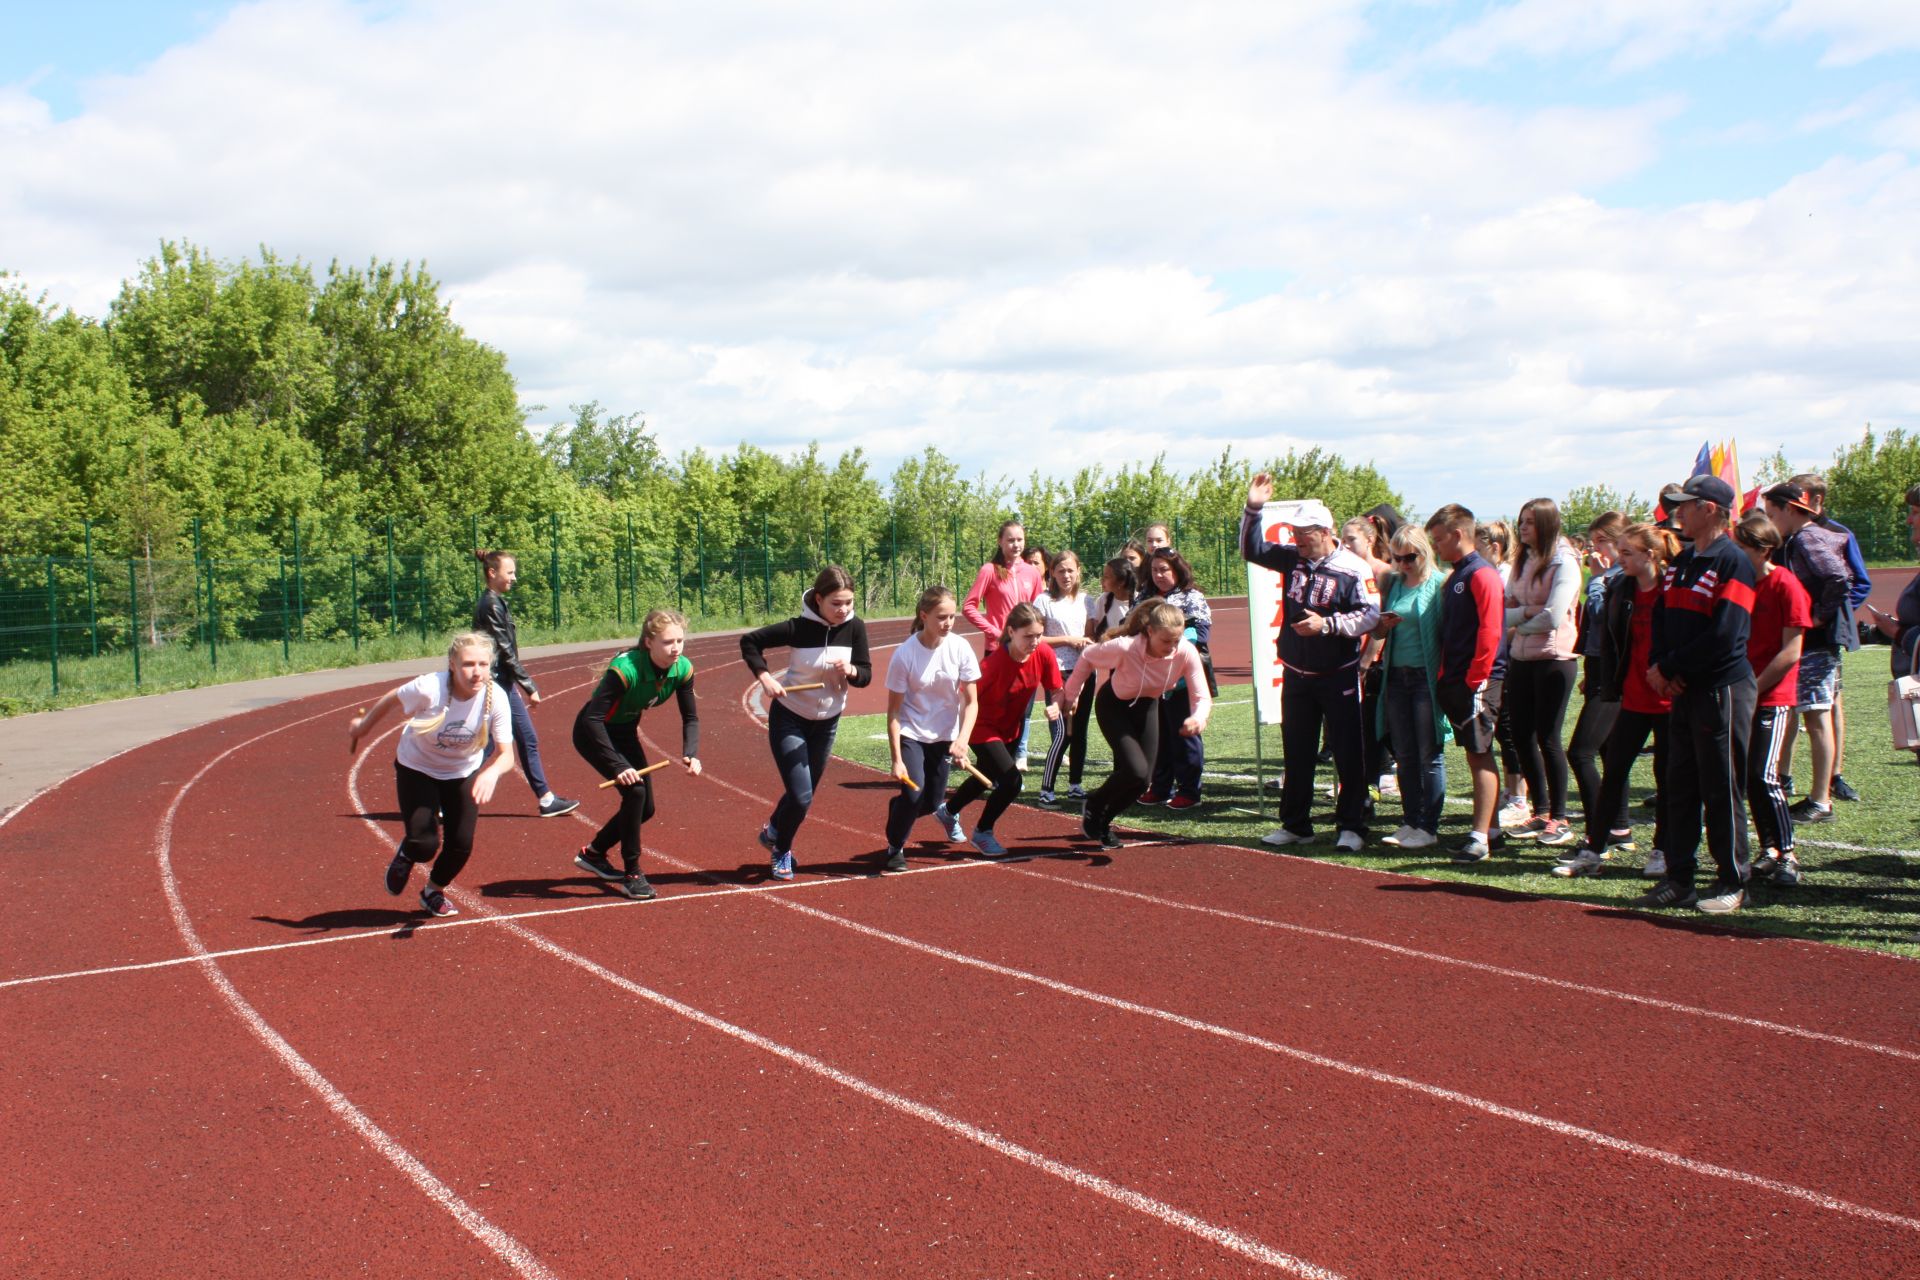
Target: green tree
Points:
x,y
1586,502
1867,486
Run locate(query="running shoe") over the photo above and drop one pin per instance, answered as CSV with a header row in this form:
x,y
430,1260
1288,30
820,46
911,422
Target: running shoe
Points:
x,y
1418,839
398,870
1348,842
435,902
636,887
1076,792
1584,862
1183,802
783,866
591,859
1513,813
984,841
1668,893
1656,868
1787,874
896,862
1808,811
1397,836
1766,864
1151,797
558,807
950,825
1843,790
1474,850
1532,829
1108,840
1285,836
768,838
1557,832
1048,800
1618,842
1724,902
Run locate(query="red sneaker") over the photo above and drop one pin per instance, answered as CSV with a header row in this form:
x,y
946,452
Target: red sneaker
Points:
x,y
1150,797
1183,802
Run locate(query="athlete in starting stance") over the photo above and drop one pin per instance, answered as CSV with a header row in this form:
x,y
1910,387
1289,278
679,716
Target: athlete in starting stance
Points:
x,y
607,734
437,763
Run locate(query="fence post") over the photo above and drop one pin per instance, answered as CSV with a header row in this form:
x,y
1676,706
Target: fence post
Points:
x,y
299,585
633,570
286,646
700,554
393,599
213,622
826,541
353,603
420,595
740,577
679,582
553,560
893,558
93,612
133,617
198,631
766,562
53,628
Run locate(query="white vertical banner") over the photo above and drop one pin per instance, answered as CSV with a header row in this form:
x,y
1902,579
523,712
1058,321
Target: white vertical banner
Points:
x,y
1266,599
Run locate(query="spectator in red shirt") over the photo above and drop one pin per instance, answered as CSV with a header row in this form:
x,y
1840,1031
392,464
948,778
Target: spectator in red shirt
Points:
x,y
1782,613
1472,617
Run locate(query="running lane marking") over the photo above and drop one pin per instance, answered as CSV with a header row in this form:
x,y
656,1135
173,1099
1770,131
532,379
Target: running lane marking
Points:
x,y
1223,1237
497,1241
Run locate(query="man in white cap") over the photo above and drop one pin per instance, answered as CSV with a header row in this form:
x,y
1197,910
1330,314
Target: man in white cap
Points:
x,y
1328,608
1699,659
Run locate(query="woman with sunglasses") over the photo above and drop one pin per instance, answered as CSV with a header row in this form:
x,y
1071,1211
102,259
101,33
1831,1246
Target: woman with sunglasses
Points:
x,y
1406,649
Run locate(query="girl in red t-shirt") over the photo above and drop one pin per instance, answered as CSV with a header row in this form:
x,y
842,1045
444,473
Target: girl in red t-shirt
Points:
x,y
1010,677
1782,612
1623,633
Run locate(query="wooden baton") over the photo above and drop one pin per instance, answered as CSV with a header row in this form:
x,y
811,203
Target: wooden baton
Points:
x,y
613,782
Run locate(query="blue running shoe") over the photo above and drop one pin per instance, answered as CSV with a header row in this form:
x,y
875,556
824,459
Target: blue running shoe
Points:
x,y
783,866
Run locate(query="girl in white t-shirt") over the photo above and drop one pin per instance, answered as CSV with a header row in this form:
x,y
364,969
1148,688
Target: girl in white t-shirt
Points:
x,y
438,762
1066,611
931,702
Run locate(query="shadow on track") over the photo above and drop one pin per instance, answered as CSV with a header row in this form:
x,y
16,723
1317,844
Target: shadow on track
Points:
x,y
357,918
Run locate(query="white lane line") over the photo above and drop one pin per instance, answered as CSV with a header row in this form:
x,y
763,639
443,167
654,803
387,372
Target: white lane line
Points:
x,y
497,1241
1223,1237
1519,975
1454,1096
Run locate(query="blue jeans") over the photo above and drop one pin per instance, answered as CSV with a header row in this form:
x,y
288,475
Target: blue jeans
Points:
x,y
800,750
526,743
1420,762
1180,761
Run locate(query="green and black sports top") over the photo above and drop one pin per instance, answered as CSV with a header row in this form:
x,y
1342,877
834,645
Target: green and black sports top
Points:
x,y
630,686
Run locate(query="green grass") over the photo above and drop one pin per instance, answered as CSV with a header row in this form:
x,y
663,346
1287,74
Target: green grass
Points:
x,y
1864,896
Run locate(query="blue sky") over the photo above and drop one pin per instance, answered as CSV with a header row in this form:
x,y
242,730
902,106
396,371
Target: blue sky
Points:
x,y
1580,237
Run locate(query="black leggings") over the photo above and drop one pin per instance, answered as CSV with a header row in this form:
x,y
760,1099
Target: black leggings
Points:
x,y
1590,732
636,801
1132,729
927,764
1069,734
1631,730
423,802
996,761
1538,690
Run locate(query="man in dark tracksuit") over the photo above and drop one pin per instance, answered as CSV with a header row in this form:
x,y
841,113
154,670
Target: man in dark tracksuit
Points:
x,y
1329,604
1699,659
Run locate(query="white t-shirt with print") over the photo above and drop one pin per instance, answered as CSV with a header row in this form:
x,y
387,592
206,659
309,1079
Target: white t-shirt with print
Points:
x,y
1066,616
931,680
452,749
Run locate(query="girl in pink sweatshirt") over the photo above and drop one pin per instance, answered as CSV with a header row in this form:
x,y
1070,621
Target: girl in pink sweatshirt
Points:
x,y
1003,582
1148,658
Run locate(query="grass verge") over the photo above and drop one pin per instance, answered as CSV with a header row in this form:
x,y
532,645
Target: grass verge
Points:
x,y
1862,884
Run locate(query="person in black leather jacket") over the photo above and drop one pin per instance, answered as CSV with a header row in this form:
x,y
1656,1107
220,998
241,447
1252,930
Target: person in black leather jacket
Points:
x,y
492,617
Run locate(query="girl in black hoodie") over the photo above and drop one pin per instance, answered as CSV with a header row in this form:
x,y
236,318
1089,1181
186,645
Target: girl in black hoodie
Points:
x,y
828,645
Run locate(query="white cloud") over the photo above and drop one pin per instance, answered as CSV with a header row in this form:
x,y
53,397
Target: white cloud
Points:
x,y
1005,231
1857,29
1632,33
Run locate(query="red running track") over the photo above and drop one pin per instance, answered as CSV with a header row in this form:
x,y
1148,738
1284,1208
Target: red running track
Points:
x,y
229,1053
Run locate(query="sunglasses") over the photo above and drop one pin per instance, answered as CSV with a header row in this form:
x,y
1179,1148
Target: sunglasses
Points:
x,y
1412,557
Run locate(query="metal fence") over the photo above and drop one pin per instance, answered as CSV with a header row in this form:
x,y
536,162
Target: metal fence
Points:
x,y
98,624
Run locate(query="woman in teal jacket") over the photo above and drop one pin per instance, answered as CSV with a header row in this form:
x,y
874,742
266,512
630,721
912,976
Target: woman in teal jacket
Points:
x,y
1407,650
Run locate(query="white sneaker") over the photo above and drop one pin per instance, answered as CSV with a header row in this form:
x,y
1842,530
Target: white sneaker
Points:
x,y
1397,836
1724,903
1513,814
1584,862
1418,839
1656,866
1389,786
1348,842
1020,762
1284,837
